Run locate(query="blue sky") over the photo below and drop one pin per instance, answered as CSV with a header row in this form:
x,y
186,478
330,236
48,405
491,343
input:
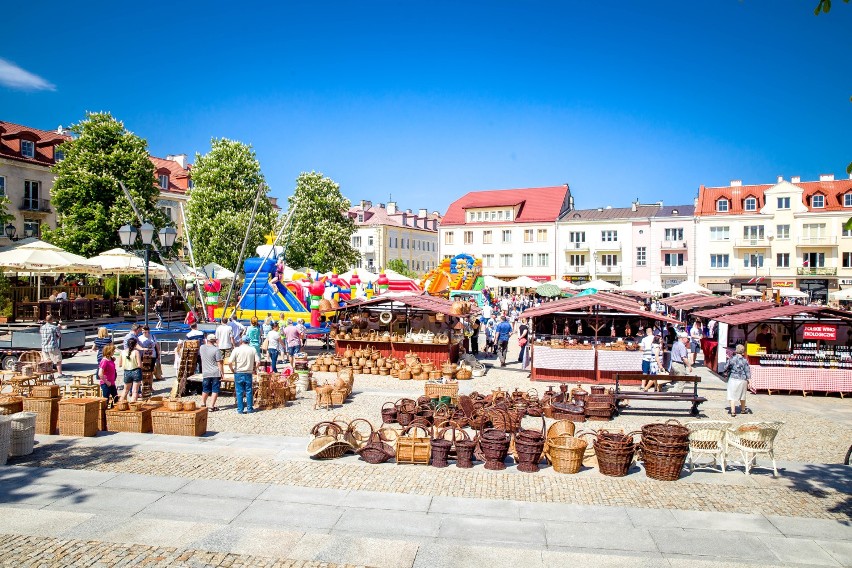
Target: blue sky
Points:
x,y
426,100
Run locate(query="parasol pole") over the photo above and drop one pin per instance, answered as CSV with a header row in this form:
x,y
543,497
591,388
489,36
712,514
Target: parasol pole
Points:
x,y
243,249
194,276
265,258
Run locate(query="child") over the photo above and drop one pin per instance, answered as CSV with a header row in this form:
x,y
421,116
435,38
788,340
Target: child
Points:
x,y
158,309
106,375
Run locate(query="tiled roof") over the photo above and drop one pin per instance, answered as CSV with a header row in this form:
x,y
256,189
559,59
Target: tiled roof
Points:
x,y
10,145
178,176
375,215
786,312
736,195
603,213
601,300
535,204
675,211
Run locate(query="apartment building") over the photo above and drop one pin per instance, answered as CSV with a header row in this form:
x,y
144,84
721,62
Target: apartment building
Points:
x,y
384,233
787,234
514,231
174,182
26,156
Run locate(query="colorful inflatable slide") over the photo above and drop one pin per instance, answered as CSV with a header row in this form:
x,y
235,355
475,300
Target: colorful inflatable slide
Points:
x,y
461,272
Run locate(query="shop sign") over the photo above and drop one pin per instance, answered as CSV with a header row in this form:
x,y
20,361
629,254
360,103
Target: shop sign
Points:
x,y
820,331
541,278
845,282
575,278
783,283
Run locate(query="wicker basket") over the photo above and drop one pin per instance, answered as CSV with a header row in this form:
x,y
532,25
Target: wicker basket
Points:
x,y
129,421
566,453
669,432
79,416
413,448
614,453
437,390
45,391
22,442
192,423
5,438
11,404
47,413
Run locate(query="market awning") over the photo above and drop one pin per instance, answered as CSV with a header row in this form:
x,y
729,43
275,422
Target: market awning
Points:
x,y
419,302
693,301
599,301
734,309
780,312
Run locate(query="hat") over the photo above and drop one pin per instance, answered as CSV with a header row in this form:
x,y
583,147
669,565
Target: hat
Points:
x,y
211,337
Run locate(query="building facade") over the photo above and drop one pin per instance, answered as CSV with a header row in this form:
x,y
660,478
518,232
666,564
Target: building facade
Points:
x,y
26,156
514,231
787,234
384,233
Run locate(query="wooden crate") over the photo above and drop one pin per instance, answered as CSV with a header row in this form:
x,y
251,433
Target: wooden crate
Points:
x,y
47,413
129,420
79,416
184,423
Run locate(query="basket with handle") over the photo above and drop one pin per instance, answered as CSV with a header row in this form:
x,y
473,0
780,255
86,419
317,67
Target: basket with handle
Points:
x,y
663,460
614,452
670,431
414,445
389,413
529,445
566,453
358,433
376,450
328,442
494,445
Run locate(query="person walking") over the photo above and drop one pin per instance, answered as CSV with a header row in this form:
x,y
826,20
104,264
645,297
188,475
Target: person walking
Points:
x,y
738,372
503,331
212,372
131,363
647,347
51,341
680,361
252,335
475,326
273,345
224,337
294,340
267,325
243,364
102,340
158,311
107,374
695,335
523,338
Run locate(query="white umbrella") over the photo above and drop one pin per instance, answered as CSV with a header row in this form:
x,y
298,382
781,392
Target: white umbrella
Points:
x,y
643,286
37,256
522,282
841,294
217,271
688,287
599,285
750,292
119,261
396,276
793,293
563,284
181,270
493,282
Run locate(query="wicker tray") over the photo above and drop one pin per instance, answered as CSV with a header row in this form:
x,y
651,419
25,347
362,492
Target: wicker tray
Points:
x,y
79,416
11,404
184,423
129,420
47,413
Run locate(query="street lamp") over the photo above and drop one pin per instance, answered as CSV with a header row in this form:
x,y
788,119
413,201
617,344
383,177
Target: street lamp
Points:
x,y
10,230
127,235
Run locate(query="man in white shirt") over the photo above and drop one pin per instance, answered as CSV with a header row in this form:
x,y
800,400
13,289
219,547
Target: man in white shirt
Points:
x,y
225,337
243,364
647,346
237,328
486,313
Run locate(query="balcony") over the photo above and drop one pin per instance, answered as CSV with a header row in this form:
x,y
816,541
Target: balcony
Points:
x,y
34,204
576,270
806,271
673,270
672,245
608,246
817,242
607,269
369,249
751,243
576,246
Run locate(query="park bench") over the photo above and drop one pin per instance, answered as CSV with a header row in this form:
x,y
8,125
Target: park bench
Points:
x,y
691,397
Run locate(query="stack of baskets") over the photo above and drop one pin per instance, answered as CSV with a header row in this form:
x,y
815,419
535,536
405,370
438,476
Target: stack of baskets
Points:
x,y
23,433
44,401
600,404
562,449
663,449
614,451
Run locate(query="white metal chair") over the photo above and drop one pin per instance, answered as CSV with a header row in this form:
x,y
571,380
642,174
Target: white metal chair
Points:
x,y
753,439
707,437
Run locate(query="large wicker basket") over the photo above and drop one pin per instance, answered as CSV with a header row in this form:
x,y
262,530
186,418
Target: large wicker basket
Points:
x,y
129,420
184,423
79,416
565,453
47,413
5,438
412,447
45,391
11,404
23,433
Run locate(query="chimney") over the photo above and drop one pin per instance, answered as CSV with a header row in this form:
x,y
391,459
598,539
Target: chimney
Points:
x,y
404,219
826,177
780,179
179,158
634,207
381,205
737,182
796,179
391,207
408,211
422,213
367,204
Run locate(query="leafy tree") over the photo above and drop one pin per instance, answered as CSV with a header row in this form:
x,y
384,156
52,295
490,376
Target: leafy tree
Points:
x,y
90,204
320,231
5,216
225,185
824,6
398,265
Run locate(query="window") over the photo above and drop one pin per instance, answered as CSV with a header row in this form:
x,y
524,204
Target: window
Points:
x,y
370,241
360,217
641,256
813,260
528,235
720,233
27,148
542,236
847,200
31,192
609,260
577,239
164,181
818,201
493,215
783,203
32,228
782,232
468,237
845,232
673,259
499,215
674,234
167,211
488,261
813,231
471,216
753,261
750,204
58,155
609,236
2,186
356,241
507,236
526,260
479,215
722,206
448,238
847,260
508,214
577,260
782,260
544,259
486,237
718,261
753,232
505,260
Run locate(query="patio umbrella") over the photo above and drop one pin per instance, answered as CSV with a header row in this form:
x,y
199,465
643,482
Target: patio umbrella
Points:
x,y
548,290
217,271
493,282
36,256
690,287
841,295
563,285
599,285
522,282
749,292
119,261
793,293
644,286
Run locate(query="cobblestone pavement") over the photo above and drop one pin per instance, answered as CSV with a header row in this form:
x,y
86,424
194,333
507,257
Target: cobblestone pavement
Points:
x,y
19,550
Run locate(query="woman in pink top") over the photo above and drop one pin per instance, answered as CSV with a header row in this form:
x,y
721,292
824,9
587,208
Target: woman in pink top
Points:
x,y
107,374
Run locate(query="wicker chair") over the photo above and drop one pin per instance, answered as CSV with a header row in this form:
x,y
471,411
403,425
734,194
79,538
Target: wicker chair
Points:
x,y
707,437
752,439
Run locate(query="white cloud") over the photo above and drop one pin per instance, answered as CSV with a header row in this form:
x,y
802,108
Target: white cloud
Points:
x,y
14,77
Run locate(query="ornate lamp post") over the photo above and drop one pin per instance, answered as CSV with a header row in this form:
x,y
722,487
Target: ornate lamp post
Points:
x,y
127,234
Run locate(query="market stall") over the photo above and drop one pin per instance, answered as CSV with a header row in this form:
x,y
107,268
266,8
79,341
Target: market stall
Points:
x,y
793,348
588,338
398,324
710,345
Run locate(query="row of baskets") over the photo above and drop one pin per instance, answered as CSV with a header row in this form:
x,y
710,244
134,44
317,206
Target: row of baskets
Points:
x,y
372,362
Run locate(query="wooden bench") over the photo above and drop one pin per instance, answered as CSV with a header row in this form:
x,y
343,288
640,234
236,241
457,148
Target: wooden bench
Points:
x,y
673,396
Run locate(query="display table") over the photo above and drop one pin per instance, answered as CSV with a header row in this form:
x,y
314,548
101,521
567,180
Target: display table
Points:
x,y
583,365
800,379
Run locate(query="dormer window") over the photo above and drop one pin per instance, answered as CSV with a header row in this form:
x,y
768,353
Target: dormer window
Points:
x,y
722,205
471,216
27,148
164,181
847,200
361,218
783,203
508,214
58,155
750,204
818,201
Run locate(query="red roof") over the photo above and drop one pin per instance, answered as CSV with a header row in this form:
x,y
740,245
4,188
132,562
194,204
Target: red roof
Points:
x,y
422,302
692,301
833,191
757,316
734,309
534,205
10,142
178,176
601,299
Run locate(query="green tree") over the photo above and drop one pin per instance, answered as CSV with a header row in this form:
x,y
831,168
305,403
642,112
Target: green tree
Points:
x,y
89,203
824,6
320,232
225,185
398,265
